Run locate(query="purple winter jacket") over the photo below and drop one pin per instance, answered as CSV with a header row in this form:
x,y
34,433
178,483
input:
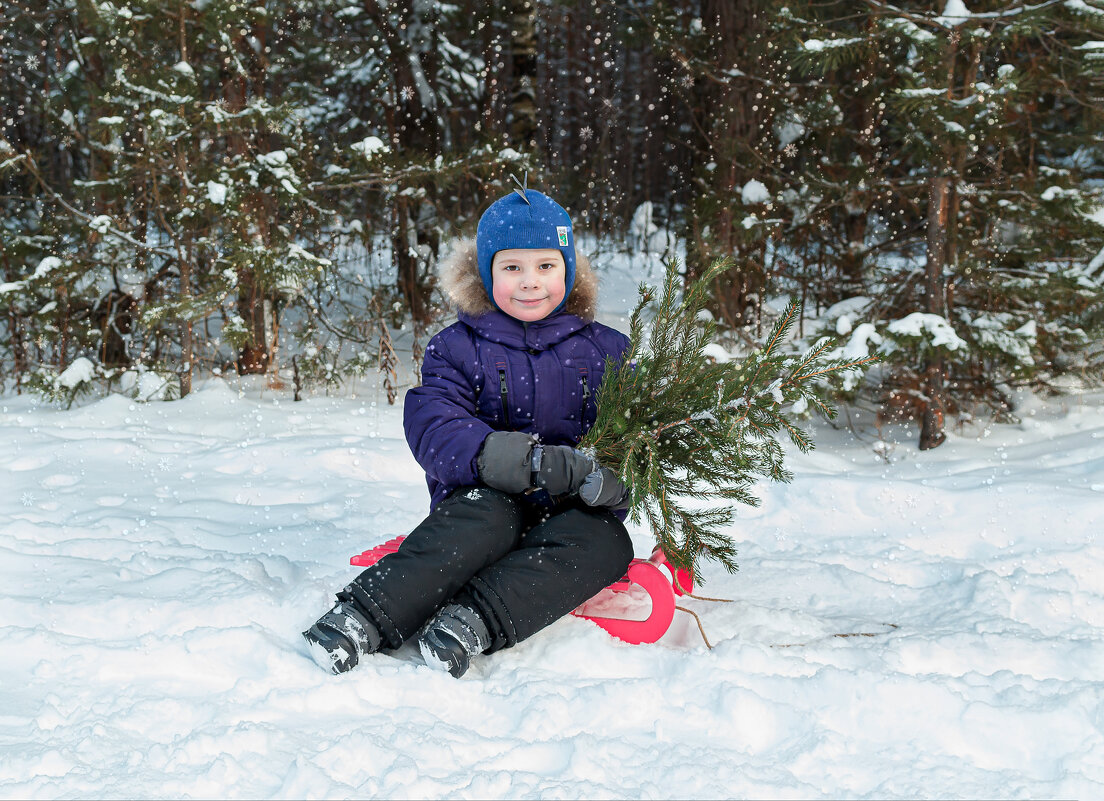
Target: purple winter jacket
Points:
x,y
491,372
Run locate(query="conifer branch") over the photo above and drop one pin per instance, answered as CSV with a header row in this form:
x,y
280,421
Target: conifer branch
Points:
x,y
681,428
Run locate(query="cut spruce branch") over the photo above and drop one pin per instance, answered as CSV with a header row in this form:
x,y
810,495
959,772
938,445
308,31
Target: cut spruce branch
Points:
x,y
690,435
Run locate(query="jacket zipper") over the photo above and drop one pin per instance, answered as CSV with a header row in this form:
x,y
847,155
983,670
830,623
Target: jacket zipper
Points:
x,y
505,396
586,396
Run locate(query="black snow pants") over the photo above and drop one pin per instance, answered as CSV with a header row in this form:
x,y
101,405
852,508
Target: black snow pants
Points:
x,y
519,565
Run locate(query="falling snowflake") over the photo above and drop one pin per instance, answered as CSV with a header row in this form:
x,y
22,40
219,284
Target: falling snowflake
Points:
x,y
27,499
585,133
163,465
687,81
407,92
350,505
32,61
790,150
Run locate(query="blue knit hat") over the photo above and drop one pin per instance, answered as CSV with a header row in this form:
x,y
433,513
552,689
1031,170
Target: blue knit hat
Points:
x,y
531,220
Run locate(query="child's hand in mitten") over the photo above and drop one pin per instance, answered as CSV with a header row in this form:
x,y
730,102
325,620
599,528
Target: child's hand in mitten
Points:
x,y
603,487
506,461
560,469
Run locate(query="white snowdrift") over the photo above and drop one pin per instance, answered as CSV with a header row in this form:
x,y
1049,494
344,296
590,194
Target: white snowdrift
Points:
x,y
158,561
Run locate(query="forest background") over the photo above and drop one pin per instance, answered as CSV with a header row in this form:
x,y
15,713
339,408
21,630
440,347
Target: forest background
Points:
x,y
198,187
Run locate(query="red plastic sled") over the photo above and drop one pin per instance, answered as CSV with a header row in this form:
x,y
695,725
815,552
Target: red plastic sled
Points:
x,y
654,574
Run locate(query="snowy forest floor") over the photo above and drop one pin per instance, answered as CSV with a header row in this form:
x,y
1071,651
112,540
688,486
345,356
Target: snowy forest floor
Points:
x,y
158,561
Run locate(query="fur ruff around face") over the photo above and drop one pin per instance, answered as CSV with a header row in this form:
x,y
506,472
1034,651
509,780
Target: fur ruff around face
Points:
x,y
460,279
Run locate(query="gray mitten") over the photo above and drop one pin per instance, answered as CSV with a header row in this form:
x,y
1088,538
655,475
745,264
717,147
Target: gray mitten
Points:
x,y
603,487
560,469
505,461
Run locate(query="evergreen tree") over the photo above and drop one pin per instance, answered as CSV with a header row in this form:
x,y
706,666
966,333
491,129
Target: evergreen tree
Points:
x,y
188,202
984,199
191,185
681,427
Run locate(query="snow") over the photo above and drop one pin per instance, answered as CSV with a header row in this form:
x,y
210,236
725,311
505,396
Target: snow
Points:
x,y
754,192
46,266
1081,7
991,330
789,127
817,45
275,159
101,223
1094,265
216,192
1056,193
904,624
717,353
1029,329
370,146
954,13
642,227
859,344
159,561
80,371
933,326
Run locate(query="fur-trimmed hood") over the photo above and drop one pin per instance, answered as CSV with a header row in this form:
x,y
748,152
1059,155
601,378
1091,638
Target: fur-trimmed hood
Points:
x,y
460,279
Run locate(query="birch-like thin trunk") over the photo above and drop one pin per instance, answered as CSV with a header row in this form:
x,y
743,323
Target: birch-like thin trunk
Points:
x,y
939,220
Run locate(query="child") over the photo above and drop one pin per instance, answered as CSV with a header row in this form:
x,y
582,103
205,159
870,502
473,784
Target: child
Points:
x,y
523,527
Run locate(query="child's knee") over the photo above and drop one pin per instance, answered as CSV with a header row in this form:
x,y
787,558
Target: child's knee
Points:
x,y
484,501
618,547
600,535
482,514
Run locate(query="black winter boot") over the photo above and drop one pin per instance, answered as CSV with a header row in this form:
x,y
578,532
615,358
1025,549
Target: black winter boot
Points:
x,y
340,638
452,637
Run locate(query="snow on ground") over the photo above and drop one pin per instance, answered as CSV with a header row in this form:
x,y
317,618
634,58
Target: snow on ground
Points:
x,y
158,561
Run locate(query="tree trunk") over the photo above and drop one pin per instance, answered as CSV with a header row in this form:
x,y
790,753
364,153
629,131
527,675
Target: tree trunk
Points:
x,y
728,119
409,28
522,114
939,222
15,326
255,305
187,345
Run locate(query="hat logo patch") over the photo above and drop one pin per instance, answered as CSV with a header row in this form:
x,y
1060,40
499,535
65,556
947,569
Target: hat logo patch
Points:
x,y
561,232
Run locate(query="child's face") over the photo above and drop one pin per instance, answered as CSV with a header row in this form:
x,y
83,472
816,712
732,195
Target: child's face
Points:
x,y
528,283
